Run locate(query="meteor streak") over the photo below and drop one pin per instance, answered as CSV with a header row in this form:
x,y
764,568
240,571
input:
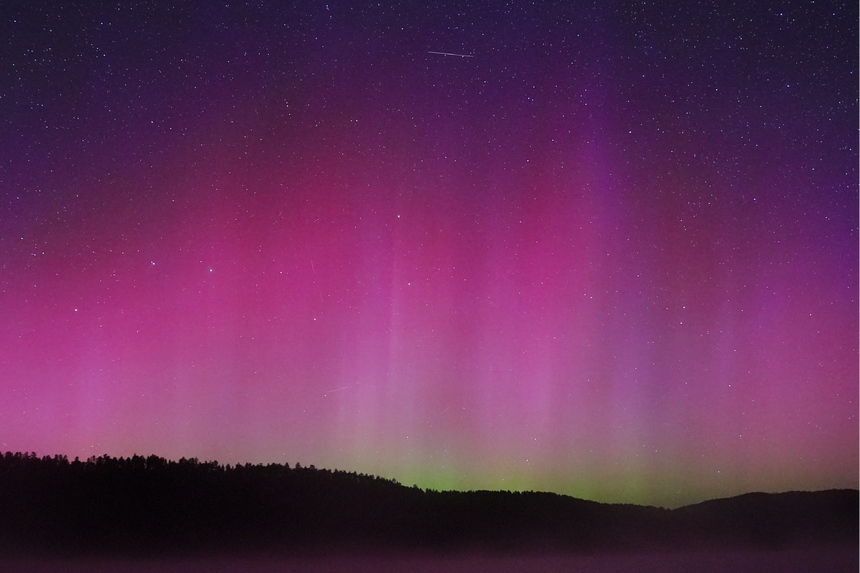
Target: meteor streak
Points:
x,y
336,390
452,54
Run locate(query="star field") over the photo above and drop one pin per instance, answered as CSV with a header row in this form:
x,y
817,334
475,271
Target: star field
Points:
x,y
612,254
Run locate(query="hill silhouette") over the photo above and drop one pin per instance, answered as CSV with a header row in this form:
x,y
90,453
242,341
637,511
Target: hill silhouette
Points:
x,y
150,505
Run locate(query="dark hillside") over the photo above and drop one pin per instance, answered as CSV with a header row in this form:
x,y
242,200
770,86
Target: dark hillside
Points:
x,y
147,505
774,521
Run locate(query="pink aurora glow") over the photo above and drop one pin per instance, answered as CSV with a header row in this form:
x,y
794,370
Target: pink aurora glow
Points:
x,y
506,271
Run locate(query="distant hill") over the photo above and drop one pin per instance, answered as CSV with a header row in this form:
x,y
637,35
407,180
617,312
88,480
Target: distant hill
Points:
x,y
774,520
147,505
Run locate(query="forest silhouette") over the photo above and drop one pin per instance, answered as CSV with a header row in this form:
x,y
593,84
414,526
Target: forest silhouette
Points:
x,y
150,505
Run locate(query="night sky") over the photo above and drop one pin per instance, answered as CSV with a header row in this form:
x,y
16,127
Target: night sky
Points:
x,y
605,249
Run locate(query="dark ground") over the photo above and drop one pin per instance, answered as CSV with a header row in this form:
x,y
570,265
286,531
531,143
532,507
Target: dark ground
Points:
x,y
147,509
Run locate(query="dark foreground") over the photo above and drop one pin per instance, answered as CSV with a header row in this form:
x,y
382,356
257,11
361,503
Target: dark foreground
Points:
x,y
153,514
841,560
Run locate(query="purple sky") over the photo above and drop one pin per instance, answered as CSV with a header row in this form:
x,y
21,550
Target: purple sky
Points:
x,y
612,254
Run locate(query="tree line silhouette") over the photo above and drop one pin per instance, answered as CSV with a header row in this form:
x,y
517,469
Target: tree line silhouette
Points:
x,y
149,504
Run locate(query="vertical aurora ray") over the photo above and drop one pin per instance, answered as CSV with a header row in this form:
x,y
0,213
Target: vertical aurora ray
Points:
x,y
593,258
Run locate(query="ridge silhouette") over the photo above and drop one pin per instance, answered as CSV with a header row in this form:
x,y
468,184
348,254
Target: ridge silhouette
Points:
x,y
149,505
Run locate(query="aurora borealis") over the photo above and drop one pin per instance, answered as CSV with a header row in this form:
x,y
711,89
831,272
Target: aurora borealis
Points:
x,y
613,254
